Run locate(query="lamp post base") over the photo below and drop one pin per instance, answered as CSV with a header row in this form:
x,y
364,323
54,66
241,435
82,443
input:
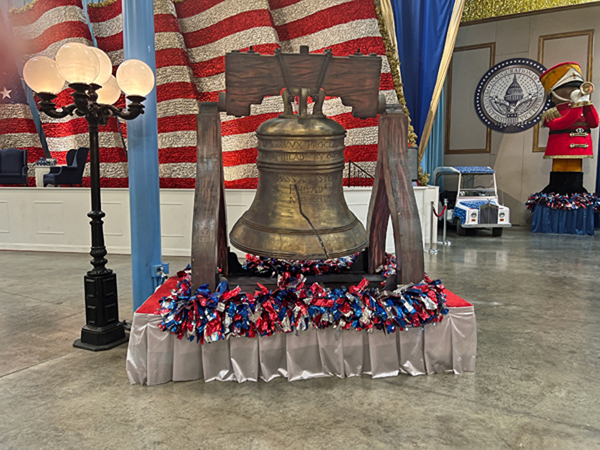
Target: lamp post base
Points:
x,y
103,338
102,330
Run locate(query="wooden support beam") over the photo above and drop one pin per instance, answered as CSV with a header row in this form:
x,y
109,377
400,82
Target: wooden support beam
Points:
x,y
209,228
393,196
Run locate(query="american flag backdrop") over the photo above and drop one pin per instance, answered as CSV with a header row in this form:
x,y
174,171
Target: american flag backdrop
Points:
x,y
177,100
212,28
345,27
17,128
192,38
42,28
107,27
177,97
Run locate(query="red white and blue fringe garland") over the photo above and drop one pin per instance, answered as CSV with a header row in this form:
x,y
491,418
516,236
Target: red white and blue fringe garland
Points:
x,y
212,316
565,202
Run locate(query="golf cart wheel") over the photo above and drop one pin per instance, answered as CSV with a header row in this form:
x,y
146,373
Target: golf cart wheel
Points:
x,y
497,232
460,231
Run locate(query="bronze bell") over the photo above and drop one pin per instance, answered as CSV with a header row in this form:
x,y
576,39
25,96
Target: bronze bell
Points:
x,y
299,211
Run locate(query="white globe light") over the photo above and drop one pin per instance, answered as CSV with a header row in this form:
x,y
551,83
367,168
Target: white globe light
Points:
x,y
41,75
135,77
105,66
77,63
110,92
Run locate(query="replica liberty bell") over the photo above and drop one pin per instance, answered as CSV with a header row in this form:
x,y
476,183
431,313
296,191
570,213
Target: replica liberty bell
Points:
x,y
299,211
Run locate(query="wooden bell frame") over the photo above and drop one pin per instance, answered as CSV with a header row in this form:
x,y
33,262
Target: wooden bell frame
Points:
x,y
355,79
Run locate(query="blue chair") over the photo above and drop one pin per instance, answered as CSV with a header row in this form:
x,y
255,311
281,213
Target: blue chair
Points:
x,y
70,174
13,166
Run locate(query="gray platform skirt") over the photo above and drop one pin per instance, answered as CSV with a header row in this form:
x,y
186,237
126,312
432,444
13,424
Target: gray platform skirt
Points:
x,y
156,357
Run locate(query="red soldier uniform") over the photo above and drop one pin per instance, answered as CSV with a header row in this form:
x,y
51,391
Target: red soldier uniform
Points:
x,y
570,126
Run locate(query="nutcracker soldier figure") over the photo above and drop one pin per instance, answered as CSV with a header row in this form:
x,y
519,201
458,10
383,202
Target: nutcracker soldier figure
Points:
x,y
569,121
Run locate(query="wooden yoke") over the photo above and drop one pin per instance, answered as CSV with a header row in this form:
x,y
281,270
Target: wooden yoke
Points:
x,y
209,226
250,76
393,195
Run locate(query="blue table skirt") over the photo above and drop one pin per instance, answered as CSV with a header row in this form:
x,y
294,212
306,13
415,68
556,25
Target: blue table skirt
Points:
x,y
576,221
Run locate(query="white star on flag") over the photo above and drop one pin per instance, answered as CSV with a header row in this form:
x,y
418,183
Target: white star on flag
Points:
x,y
5,93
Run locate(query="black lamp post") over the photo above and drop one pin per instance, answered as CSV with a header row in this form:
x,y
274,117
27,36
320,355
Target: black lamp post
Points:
x,y
102,330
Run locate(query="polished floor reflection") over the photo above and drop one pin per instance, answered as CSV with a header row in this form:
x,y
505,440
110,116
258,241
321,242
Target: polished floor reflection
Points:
x,y
537,382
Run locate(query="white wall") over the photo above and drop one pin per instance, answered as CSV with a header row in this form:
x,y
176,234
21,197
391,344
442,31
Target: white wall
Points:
x,y
520,171
55,219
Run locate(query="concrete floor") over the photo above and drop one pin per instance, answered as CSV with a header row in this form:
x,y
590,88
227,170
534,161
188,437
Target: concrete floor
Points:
x,y
537,384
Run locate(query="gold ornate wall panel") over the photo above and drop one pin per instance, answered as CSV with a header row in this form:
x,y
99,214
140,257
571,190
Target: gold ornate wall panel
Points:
x,y
476,10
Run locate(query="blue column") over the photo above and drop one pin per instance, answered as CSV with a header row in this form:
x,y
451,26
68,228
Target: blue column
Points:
x,y
142,134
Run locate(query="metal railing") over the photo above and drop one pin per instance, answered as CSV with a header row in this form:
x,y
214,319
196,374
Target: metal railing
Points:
x,y
357,176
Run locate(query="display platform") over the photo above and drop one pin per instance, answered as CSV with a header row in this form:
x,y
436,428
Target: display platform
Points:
x,y
563,213
156,357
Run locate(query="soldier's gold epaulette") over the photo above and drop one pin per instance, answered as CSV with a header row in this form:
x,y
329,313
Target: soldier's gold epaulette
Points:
x,y
549,115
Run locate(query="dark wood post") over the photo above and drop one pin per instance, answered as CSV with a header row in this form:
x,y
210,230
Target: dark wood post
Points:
x,y
393,196
209,228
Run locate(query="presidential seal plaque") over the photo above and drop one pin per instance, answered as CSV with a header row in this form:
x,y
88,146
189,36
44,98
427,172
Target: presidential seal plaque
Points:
x,y
510,97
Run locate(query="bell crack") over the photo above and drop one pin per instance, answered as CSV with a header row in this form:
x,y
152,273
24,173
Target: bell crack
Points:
x,y
310,223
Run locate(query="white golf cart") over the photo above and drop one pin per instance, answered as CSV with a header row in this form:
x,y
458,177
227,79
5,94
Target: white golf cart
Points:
x,y
472,199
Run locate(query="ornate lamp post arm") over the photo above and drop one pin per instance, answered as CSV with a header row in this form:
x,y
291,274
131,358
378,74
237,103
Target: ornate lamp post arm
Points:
x,y
134,109
49,108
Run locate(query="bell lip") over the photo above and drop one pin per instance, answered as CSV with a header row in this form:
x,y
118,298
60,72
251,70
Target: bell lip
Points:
x,y
298,256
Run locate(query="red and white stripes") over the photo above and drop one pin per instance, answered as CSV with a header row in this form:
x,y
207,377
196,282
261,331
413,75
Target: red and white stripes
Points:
x,y
344,27
211,29
192,38
17,130
42,29
177,104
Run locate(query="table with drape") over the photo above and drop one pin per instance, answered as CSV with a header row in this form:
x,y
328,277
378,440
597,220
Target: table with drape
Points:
x,y
155,356
579,221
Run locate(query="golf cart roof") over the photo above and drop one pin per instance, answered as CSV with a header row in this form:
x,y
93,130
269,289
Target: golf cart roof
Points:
x,y
447,170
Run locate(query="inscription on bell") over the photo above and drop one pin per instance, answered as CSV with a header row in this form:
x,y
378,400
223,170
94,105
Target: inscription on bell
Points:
x,y
286,157
307,184
301,144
